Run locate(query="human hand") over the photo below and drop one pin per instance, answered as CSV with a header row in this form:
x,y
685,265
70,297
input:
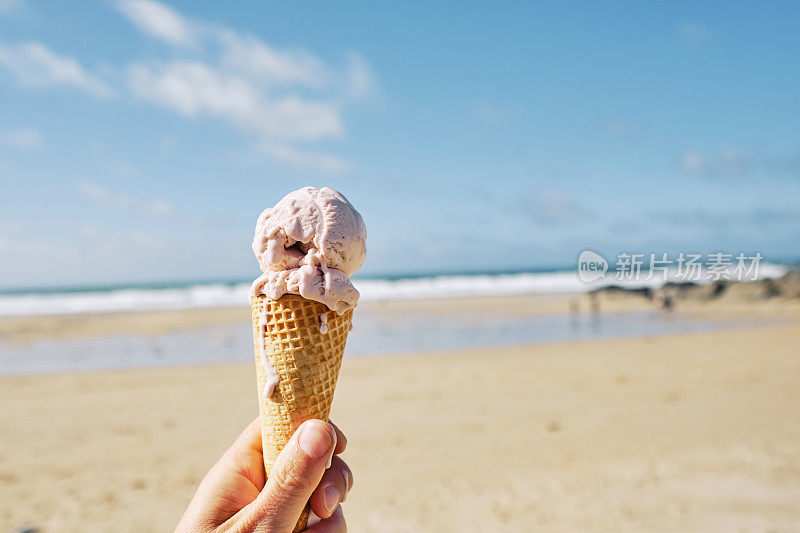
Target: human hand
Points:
x,y
236,494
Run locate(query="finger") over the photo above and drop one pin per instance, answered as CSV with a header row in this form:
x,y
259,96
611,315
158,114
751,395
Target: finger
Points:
x,y
341,440
332,490
334,524
232,483
250,438
294,476
246,456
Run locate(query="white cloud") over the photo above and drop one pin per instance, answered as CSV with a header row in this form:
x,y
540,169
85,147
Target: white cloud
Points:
x,y
168,142
489,112
252,56
126,202
192,88
694,32
280,97
22,139
7,6
728,164
620,126
196,89
313,161
34,64
31,251
103,196
741,164
549,208
497,112
159,207
692,162
115,239
360,80
158,20
8,228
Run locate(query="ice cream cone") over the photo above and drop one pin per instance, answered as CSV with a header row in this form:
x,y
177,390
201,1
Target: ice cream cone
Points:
x,y
303,341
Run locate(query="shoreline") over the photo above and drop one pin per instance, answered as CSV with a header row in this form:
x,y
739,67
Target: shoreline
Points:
x,y
761,323
150,323
577,344
83,343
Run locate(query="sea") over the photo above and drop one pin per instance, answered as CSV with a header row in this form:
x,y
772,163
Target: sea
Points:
x,y
376,331
231,293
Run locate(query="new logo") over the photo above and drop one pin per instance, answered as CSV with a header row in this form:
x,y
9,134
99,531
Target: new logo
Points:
x,y
591,266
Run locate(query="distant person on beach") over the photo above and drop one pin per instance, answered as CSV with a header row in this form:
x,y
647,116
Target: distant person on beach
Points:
x,y
594,303
574,307
662,300
237,495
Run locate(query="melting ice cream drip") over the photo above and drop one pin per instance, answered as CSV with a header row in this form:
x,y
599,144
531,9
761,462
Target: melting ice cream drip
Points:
x,y
323,323
313,519
272,376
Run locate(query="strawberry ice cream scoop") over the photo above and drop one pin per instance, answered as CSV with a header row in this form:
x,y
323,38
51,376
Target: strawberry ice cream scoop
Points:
x,y
310,244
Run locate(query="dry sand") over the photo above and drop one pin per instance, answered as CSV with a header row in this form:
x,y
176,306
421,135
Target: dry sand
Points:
x,y
692,432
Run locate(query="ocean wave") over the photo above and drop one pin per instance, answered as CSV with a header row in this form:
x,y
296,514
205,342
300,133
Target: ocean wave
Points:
x,y
228,295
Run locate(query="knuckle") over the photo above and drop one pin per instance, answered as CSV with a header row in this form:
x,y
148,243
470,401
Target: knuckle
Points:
x,y
346,474
350,480
340,475
291,477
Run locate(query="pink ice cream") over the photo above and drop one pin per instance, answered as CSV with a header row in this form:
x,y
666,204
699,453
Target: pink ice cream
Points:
x,y
310,244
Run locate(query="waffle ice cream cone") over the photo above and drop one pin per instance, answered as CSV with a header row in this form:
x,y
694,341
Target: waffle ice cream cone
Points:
x,y
302,341
307,245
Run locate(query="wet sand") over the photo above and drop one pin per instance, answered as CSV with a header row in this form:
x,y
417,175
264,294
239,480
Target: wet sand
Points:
x,y
688,432
150,323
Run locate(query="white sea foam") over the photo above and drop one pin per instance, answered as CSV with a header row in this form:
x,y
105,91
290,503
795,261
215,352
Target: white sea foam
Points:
x,y
510,284
224,295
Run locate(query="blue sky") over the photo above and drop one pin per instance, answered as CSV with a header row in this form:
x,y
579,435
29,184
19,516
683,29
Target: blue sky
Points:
x,y
140,140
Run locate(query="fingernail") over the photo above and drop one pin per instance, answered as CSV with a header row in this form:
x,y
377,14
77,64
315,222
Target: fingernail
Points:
x,y
331,498
346,476
330,457
315,440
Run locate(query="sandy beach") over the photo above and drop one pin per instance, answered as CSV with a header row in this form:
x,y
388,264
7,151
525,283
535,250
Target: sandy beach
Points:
x,y
684,432
539,265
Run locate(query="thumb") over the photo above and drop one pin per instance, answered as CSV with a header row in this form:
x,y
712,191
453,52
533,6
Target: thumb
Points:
x,y
294,476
